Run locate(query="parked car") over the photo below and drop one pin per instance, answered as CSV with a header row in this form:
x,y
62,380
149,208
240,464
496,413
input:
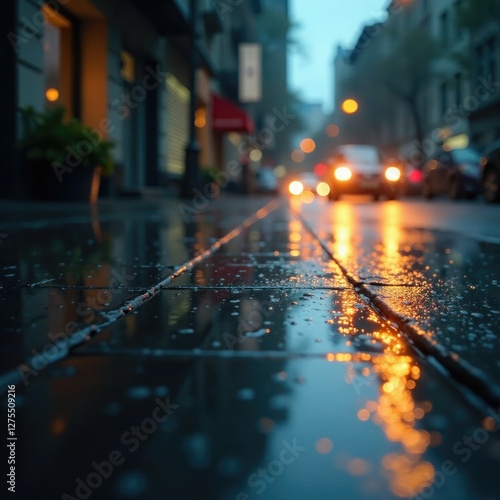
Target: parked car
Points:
x,y
456,173
490,175
267,182
359,169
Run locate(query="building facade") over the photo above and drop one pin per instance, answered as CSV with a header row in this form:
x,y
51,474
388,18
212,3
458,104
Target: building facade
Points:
x,y
456,97
122,68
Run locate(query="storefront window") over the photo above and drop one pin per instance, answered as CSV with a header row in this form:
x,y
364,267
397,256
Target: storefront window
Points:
x,y
58,60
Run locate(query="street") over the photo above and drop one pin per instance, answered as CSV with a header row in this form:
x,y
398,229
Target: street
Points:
x,y
252,348
250,250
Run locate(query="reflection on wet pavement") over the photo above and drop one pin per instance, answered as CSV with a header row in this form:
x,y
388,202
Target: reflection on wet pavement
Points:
x,y
259,372
443,283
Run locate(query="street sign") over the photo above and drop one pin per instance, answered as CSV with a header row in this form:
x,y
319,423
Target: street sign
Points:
x,y
250,72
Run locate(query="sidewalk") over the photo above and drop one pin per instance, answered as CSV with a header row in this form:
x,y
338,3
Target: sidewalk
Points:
x,y
222,356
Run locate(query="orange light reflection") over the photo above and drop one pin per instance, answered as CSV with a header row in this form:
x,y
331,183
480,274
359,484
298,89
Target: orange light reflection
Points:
x,y
343,227
395,411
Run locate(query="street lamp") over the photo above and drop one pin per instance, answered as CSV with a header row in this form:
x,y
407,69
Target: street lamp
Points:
x,y
349,106
307,145
190,180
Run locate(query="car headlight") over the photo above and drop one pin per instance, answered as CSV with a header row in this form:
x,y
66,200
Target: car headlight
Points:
x,y
393,174
323,189
343,173
296,188
469,170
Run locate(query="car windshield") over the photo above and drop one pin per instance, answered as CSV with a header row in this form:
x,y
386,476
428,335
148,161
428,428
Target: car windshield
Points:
x,y
467,156
361,154
309,178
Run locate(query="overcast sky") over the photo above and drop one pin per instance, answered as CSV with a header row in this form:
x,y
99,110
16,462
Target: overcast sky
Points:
x,y
322,25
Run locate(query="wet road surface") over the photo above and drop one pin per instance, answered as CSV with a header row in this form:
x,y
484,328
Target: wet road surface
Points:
x,y
240,355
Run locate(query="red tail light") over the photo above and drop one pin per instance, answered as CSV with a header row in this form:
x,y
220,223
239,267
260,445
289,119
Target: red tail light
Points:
x,y
415,176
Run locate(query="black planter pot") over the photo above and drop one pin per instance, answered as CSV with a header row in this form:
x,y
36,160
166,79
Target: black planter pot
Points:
x,y
81,184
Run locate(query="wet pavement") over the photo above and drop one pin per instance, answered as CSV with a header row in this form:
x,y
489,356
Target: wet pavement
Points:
x,y
243,354
443,282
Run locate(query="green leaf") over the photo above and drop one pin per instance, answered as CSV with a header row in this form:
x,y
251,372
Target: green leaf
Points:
x,y
46,135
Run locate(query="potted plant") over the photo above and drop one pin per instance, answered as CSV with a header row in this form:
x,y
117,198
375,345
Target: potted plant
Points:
x,y
65,159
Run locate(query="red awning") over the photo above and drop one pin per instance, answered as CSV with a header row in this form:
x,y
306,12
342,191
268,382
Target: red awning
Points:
x,y
229,117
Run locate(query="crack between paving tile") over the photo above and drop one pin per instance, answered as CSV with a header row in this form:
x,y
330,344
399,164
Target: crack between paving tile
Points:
x,y
202,353
40,361
396,285
258,287
74,287
481,390
183,287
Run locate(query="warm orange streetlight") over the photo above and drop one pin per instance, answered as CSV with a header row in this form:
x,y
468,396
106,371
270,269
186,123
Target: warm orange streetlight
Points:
x,y
332,130
307,145
52,94
297,155
349,106
200,118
